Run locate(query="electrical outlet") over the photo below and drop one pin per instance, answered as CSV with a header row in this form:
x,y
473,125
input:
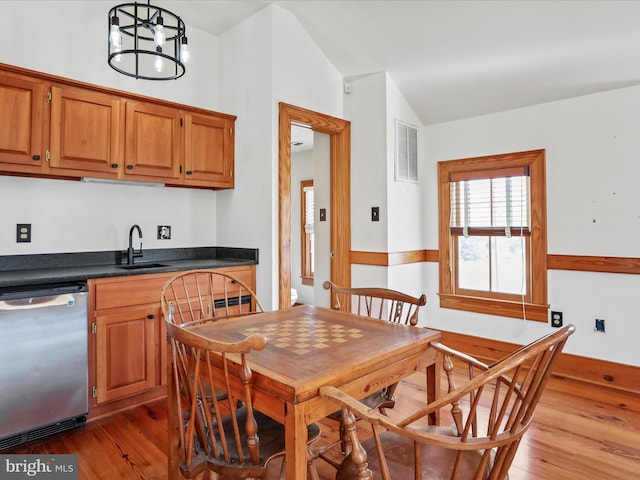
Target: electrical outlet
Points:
x,y
599,325
556,319
375,214
23,232
164,232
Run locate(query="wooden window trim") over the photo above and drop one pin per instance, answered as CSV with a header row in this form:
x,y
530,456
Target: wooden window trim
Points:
x,y
306,277
537,308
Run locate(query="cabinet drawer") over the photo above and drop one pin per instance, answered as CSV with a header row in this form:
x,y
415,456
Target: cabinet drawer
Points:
x,y
135,291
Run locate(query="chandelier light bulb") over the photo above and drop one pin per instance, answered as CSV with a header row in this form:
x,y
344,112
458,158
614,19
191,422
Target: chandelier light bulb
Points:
x,y
184,50
115,37
159,63
158,35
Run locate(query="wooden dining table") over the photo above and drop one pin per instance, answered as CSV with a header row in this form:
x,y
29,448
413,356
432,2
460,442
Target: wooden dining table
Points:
x,y
309,347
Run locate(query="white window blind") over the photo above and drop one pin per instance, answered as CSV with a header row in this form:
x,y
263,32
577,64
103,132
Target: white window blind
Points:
x,y
406,167
493,206
308,212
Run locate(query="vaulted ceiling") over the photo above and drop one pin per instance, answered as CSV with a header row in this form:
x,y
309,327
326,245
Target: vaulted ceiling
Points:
x,y
459,59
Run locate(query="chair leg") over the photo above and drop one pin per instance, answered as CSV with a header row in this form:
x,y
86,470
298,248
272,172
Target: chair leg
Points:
x,y
312,472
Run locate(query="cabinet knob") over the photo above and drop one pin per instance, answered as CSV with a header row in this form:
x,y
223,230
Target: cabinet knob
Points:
x,y
36,157
189,172
114,165
129,167
151,316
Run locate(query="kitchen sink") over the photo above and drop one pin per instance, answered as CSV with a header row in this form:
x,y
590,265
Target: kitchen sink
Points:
x,y
137,266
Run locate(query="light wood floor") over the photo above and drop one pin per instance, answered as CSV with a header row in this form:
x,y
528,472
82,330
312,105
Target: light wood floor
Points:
x,y
579,432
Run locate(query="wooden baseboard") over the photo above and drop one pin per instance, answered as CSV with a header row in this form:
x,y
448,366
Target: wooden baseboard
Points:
x,y
597,372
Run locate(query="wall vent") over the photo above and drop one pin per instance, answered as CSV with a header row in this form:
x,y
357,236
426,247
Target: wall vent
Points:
x,y
406,168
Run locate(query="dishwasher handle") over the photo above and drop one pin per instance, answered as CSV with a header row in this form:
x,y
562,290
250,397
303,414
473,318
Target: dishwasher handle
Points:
x,y
66,299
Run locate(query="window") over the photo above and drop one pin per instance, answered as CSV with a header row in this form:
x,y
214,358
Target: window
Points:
x,y
493,246
307,246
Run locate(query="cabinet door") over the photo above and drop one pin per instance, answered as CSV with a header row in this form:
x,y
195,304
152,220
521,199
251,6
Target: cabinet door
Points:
x,y
153,141
126,352
21,117
86,131
208,150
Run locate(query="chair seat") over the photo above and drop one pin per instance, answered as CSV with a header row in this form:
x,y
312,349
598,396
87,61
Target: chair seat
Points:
x,y
272,440
399,452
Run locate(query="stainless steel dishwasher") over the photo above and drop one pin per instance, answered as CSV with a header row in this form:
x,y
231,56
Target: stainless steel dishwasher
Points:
x,y
43,361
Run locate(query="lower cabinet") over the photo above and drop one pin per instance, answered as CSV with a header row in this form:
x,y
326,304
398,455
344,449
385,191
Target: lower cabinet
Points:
x,y
126,351
128,347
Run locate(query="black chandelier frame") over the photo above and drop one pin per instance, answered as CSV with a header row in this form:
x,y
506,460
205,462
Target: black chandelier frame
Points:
x,y
137,23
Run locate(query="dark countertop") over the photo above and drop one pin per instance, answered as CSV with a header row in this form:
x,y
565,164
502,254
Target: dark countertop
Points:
x,y
20,270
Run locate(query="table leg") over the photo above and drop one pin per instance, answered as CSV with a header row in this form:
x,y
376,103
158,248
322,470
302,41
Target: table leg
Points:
x,y
295,442
433,387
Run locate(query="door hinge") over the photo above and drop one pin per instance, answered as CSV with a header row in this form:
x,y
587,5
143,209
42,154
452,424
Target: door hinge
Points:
x,y
94,328
48,155
180,121
49,96
230,131
94,392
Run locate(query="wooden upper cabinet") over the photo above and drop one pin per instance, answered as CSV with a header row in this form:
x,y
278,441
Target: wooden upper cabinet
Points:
x,y
153,141
208,150
22,104
86,131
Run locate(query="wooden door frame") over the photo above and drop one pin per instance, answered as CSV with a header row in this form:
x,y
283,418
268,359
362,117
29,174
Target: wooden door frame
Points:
x,y
340,202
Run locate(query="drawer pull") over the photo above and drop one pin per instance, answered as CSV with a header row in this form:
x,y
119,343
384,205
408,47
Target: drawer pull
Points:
x,y
151,316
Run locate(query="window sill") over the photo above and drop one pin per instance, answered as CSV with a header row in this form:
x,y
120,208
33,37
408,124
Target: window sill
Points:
x,y
502,308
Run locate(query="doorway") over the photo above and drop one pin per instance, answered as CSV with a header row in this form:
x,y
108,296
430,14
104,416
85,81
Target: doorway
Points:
x,y
339,132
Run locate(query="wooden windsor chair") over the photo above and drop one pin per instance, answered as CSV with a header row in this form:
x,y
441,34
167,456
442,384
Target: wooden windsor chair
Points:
x,y
490,413
381,304
206,295
222,434
200,296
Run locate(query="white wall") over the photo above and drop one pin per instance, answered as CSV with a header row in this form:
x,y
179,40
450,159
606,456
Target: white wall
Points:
x,y
245,215
373,105
322,199
68,39
592,149
70,216
365,107
267,59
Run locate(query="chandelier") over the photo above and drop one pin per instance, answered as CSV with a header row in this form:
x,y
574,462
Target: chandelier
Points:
x,y
147,42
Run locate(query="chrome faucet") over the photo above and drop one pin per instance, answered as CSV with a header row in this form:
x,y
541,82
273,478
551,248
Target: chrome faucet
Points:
x,y
131,254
